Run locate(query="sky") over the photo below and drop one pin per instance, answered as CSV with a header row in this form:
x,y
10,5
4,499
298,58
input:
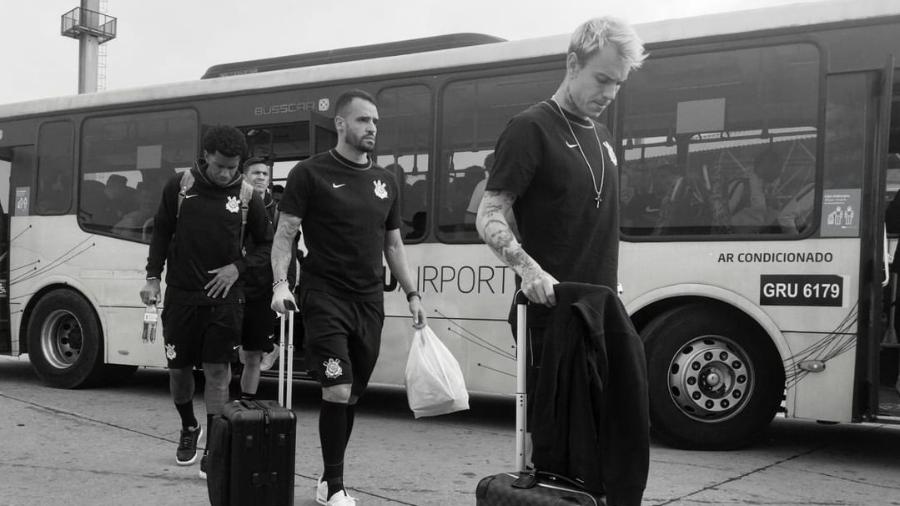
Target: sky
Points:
x,y
164,41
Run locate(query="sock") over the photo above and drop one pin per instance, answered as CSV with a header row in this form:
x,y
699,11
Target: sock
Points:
x,y
186,412
247,397
333,437
351,412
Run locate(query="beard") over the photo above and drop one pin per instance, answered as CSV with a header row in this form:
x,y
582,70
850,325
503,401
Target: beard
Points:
x,y
365,144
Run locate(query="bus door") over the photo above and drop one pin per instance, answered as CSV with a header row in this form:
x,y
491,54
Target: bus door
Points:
x,y
286,144
5,334
884,360
283,145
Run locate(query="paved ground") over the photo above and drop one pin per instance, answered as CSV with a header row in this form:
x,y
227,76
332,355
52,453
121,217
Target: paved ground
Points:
x,y
115,446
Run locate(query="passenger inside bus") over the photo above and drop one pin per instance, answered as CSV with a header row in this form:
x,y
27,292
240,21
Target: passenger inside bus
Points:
x,y
460,192
122,198
750,199
412,202
478,191
135,224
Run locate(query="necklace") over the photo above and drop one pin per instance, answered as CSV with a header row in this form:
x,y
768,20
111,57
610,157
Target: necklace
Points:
x,y
597,190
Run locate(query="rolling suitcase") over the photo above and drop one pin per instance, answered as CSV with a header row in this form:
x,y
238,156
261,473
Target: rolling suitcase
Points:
x,y
524,487
252,443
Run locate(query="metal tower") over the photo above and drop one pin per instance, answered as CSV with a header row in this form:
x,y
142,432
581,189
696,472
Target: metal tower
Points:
x,y
92,28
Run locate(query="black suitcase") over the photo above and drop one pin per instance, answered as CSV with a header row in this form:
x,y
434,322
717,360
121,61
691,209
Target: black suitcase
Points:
x,y
252,444
523,487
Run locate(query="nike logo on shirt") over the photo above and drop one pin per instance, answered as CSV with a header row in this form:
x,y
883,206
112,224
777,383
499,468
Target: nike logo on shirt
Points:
x,y
571,145
189,196
338,185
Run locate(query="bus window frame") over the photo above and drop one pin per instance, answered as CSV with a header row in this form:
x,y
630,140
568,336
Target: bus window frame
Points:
x,y
736,43
73,169
430,233
521,67
79,173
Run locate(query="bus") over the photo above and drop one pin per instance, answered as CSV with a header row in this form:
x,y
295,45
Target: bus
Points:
x,y
756,151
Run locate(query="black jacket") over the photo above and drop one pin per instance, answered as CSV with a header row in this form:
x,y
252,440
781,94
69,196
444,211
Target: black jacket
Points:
x,y
591,420
205,236
258,279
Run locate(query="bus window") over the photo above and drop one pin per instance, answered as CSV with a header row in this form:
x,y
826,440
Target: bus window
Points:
x,y
404,139
126,160
893,165
474,114
55,161
721,143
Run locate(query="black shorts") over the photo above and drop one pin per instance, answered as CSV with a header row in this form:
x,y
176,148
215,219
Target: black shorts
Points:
x,y
343,338
260,325
201,334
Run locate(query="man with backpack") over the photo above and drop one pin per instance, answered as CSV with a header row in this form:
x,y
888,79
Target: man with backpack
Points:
x,y
198,234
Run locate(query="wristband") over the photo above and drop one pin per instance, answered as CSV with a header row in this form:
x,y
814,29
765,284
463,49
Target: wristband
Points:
x,y
412,294
152,278
280,281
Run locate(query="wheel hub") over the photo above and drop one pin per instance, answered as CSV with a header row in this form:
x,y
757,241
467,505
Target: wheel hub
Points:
x,y
710,378
61,339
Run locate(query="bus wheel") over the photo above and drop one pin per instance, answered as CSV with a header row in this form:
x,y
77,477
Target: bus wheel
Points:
x,y
64,341
714,383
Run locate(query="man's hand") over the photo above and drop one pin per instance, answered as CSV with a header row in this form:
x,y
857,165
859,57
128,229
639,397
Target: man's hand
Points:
x,y
221,284
150,292
280,293
537,285
417,312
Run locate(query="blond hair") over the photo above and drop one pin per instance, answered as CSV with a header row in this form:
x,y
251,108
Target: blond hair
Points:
x,y
594,34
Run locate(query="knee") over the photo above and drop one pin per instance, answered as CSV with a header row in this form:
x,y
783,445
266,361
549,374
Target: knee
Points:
x,y
217,373
336,393
252,358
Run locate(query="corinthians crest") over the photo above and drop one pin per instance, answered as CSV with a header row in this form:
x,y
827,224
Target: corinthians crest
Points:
x,y
380,190
170,351
333,368
232,204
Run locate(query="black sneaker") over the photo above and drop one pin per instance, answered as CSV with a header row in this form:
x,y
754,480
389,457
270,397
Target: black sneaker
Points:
x,y
203,464
187,446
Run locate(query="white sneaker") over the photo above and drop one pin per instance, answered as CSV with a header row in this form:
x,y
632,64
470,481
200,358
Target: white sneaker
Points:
x,y
341,499
268,360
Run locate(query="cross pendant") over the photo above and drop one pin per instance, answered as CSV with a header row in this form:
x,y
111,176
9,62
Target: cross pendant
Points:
x,y
598,200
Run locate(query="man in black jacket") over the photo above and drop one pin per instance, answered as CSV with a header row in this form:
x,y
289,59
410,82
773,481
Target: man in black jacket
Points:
x,y
258,351
197,234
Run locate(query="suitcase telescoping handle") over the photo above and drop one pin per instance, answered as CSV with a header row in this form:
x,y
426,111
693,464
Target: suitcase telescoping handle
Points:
x,y
286,355
521,394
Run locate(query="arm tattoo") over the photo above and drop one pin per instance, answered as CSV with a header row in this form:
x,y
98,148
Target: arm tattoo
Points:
x,y
288,225
498,235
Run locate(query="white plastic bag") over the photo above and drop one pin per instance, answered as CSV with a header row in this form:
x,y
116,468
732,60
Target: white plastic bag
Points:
x,y
434,381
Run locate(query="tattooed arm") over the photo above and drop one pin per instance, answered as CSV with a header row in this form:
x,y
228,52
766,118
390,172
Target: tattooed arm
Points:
x,y
286,230
495,231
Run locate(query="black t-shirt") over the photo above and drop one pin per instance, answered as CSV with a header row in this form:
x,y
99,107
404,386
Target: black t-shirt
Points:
x,y
562,228
346,209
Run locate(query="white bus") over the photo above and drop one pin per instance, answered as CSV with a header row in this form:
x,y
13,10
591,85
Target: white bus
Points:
x,y
755,149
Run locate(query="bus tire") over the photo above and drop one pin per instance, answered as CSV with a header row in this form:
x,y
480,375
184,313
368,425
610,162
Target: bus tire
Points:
x,y
714,383
65,343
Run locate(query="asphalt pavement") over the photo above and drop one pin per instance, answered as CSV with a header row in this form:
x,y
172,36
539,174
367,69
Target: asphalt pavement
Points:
x,y
116,446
